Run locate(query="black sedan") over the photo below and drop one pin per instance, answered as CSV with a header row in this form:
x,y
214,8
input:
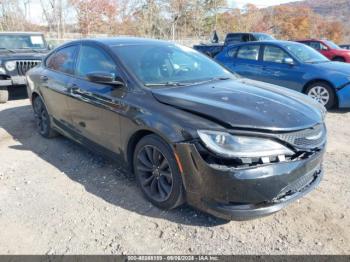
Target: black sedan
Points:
x,y
189,130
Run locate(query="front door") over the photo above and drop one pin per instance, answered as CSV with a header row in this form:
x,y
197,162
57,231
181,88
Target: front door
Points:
x,y
276,70
320,47
95,107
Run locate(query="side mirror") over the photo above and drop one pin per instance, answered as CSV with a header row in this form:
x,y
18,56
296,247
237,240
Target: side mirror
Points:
x,y
105,78
288,61
50,46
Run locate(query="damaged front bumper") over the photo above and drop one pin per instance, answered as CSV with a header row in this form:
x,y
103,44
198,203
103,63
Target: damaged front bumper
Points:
x,y
248,192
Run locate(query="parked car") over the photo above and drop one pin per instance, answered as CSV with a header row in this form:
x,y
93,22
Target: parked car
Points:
x,y
345,46
212,50
328,49
292,65
19,52
188,128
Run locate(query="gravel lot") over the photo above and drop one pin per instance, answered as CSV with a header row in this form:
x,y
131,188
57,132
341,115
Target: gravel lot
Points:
x,y
58,198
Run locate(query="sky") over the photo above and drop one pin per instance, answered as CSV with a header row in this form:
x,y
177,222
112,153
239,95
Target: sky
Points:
x,y
36,13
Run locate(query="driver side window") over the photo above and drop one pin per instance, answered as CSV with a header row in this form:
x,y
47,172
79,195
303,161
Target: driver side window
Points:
x,y
274,54
92,59
315,45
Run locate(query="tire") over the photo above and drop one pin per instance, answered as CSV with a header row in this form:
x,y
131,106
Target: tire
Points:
x,y
4,95
338,59
42,119
319,91
161,186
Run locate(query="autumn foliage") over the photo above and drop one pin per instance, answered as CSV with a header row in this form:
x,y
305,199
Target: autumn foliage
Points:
x,y
175,19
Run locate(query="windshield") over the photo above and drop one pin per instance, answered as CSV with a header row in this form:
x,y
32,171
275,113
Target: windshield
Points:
x,y
332,45
22,42
305,53
169,64
263,37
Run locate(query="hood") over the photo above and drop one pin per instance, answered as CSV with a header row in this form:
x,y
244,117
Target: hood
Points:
x,y
245,104
22,55
338,67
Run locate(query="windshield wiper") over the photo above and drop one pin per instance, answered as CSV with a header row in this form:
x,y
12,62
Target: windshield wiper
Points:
x,y
213,79
32,49
10,50
165,84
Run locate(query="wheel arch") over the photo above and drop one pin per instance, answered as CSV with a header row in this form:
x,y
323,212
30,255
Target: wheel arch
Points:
x,y
34,95
135,138
313,81
338,56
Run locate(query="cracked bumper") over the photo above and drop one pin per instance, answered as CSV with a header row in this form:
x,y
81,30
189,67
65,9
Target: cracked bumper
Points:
x,y
246,193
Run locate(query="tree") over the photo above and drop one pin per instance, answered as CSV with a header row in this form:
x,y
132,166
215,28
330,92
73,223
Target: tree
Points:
x,y
95,16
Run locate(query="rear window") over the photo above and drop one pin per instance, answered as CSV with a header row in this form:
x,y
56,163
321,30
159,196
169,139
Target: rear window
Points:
x,y
237,38
263,37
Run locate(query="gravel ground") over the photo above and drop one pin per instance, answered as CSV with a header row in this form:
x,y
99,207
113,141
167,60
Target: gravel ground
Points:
x,y
58,198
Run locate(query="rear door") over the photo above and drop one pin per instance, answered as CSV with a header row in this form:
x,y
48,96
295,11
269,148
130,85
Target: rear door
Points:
x,y
95,107
276,71
57,73
246,61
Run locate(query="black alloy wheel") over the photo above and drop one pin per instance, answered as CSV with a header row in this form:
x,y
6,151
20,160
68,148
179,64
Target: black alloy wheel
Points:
x,y
42,119
157,172
156,176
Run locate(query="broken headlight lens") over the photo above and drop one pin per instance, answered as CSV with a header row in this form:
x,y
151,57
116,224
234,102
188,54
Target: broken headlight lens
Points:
x,y
227,145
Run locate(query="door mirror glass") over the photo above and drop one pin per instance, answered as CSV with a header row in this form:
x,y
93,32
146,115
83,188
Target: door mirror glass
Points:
x,y
105,78
288,61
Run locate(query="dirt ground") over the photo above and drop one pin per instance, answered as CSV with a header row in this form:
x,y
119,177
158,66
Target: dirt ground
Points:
x,y
58,198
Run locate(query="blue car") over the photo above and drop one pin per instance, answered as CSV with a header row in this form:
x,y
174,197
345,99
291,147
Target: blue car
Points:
x,y
292,65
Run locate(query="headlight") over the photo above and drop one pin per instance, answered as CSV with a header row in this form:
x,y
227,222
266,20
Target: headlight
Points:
x,y
229,146
10,65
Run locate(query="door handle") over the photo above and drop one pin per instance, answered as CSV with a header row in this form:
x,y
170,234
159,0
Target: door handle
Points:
x,y
44,78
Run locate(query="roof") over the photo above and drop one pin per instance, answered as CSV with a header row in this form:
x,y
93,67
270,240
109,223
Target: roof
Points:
x,y
310,39
278,42
115,41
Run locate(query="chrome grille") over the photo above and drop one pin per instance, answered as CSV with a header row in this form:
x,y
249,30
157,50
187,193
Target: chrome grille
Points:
x,y
306,139
24,65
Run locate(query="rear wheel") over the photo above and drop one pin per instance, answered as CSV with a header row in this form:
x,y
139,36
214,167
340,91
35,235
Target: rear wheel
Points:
x,y
157,172
42,119
322,93
4,94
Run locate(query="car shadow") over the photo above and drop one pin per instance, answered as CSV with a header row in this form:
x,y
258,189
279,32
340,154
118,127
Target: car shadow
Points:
x,y
340,111
18,92
99,176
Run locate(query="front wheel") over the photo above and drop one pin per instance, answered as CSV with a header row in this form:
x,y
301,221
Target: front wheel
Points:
x,y
322,93
4,94
157,172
